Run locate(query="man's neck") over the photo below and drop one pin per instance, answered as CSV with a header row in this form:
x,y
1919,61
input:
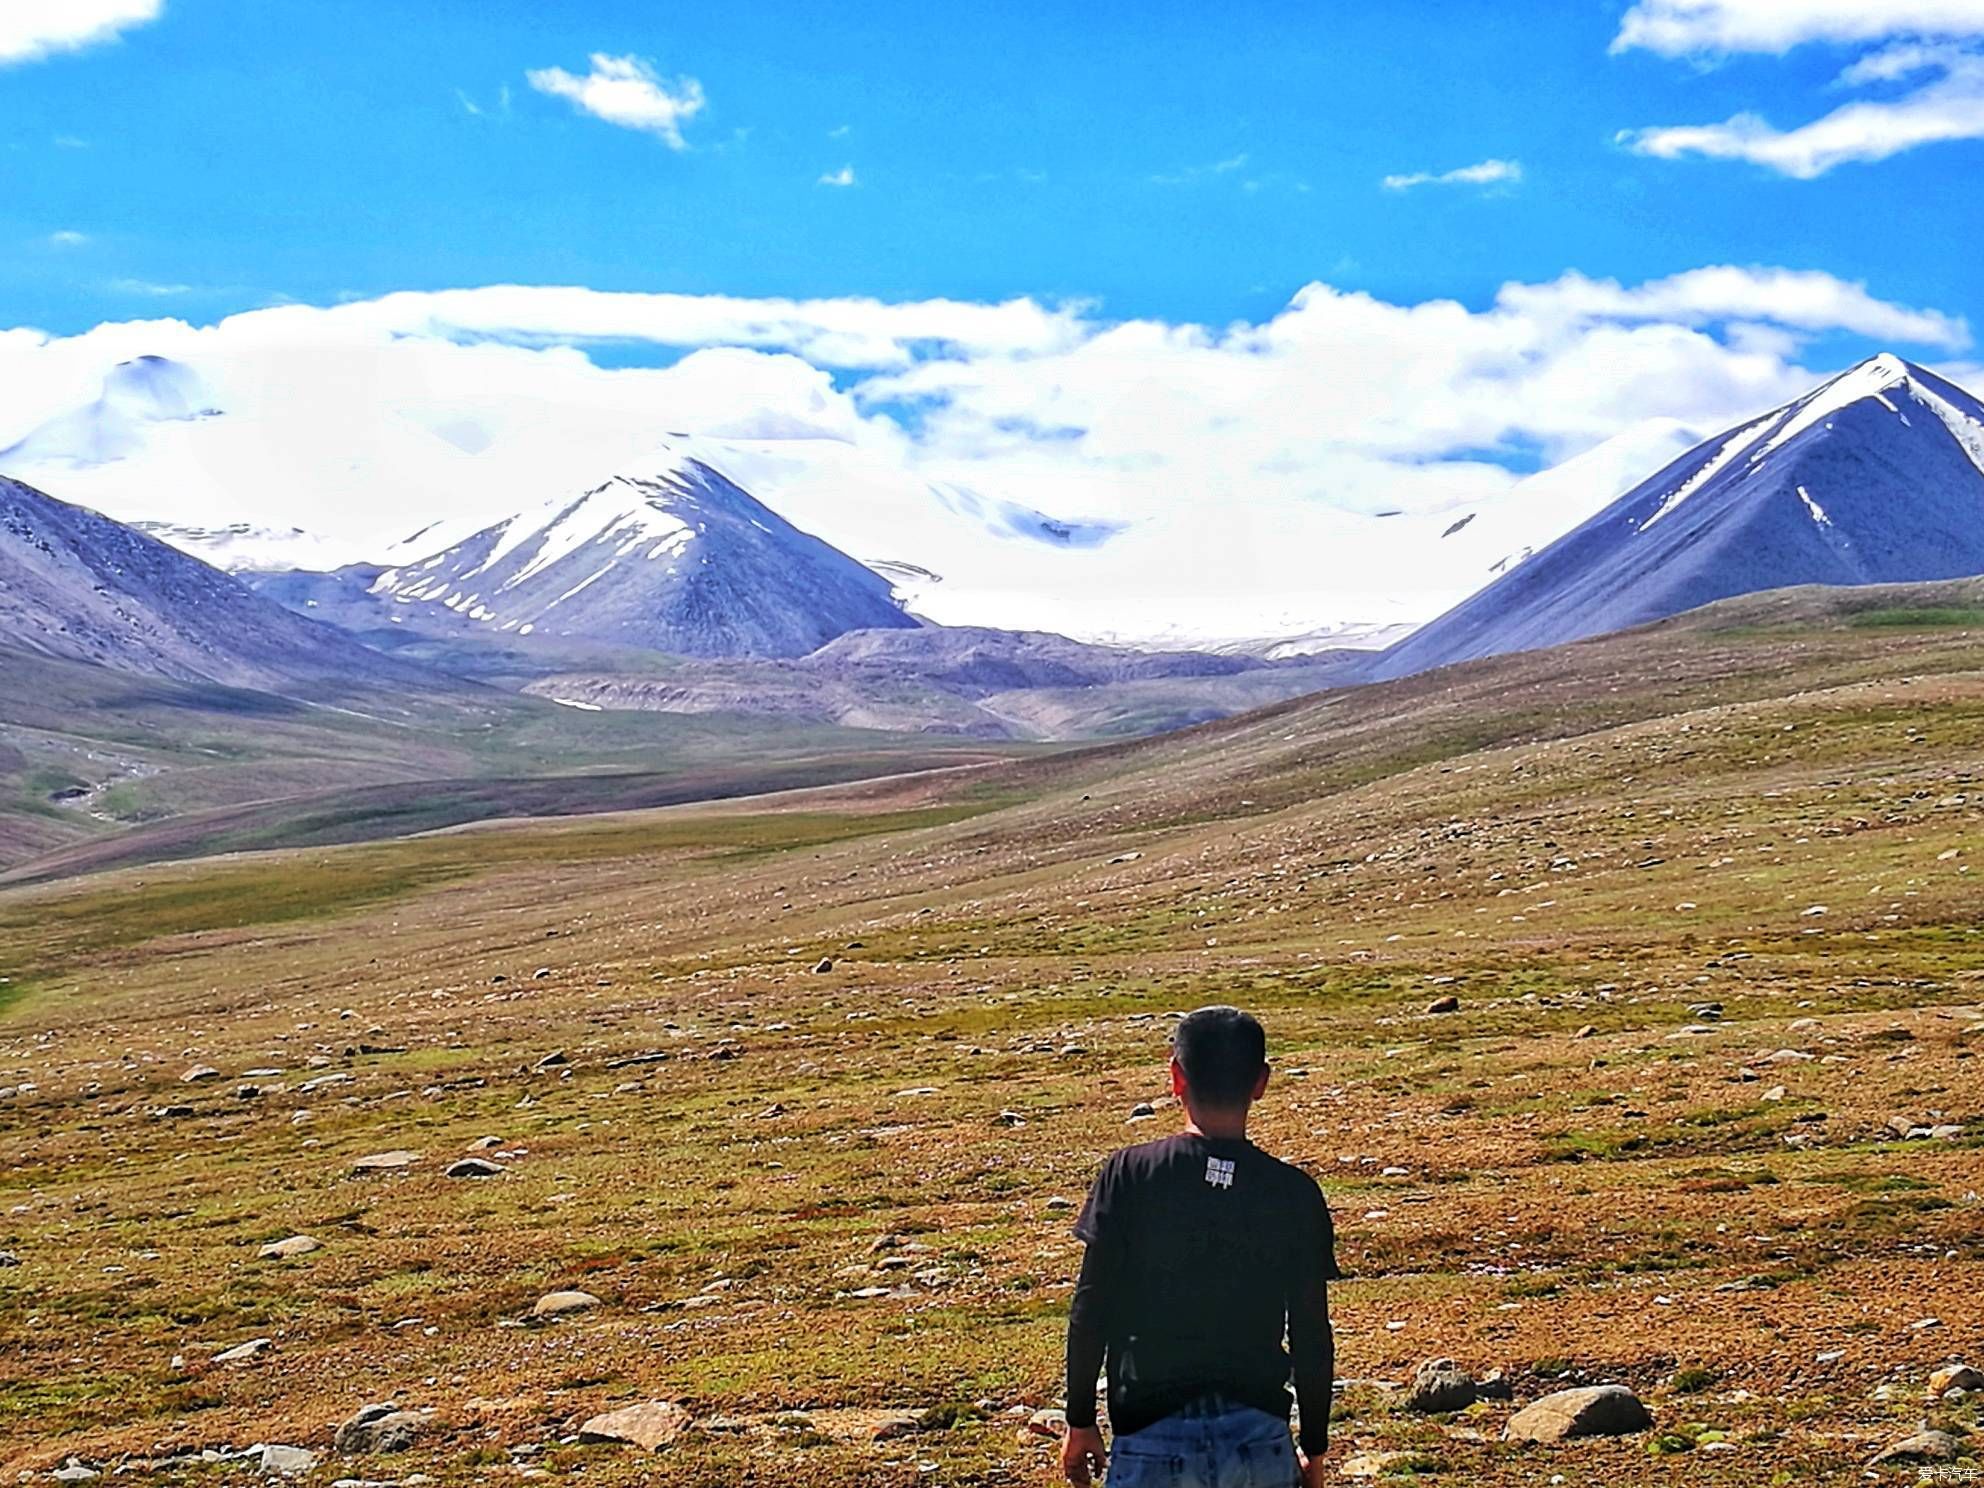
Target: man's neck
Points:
x,y
1226,1126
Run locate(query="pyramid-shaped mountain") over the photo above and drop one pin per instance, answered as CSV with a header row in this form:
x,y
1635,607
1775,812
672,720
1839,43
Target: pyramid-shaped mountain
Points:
x,y
677,559
1875,477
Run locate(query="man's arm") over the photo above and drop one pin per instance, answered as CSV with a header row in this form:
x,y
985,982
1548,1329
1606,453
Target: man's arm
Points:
x,y
1312,1355
1088,1331
1311,1340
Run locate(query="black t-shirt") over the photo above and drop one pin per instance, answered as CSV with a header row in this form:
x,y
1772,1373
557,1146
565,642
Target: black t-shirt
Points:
x,y
1207,1244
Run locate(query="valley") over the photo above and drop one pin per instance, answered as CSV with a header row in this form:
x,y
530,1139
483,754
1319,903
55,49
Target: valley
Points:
x,y
799,1090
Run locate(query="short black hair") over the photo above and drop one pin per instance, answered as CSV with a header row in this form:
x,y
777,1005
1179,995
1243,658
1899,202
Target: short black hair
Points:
x,y
1221,1050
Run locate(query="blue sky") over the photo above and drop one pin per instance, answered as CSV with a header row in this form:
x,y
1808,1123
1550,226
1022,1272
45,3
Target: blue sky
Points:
x,y
1178,160
1262,289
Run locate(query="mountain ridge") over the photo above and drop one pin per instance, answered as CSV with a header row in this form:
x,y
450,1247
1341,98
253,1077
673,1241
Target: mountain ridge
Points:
x,y
1841,486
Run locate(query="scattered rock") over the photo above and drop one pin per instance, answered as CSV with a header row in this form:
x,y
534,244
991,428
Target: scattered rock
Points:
x,y
380,1428
1494,1385
8,1258
1788,1056
199,1073
552,1060
1378,1464
288,1462
1595,1410
1048,1423
897,1423
1955,1377
1142,1111
1447,1004
484,1144
241,1353
559,1304
1925,1447
651,1425
1583,1033
1010,1118
474,1167
385,1162
73,1472
284,1250
1440,1385
824,965
1775,1093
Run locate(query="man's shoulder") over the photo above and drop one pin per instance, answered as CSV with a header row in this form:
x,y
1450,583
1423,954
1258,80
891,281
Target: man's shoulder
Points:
x,y
1142,1157
1297,1179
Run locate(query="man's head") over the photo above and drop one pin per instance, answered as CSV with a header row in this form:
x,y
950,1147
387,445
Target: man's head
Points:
x,y
1219,1060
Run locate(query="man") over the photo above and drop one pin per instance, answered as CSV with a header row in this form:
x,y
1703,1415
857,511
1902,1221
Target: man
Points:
x,y
1202,1253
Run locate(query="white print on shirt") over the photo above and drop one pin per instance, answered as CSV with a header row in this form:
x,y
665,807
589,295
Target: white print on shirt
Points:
x,y
1219,1172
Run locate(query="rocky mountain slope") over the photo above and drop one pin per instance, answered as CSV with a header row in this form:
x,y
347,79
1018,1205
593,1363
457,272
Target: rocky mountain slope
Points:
x,y
676,559
957,680
1876,476
74,584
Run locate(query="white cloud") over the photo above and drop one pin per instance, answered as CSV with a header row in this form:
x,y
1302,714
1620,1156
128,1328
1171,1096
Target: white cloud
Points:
x,y
1193,173
627,91
1486,173
1800,300
1679,28
150,289
1249,465
1947,104
67,238
842,177
33,29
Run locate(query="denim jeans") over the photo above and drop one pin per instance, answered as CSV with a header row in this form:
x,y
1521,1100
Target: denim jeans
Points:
x,y
1209,1444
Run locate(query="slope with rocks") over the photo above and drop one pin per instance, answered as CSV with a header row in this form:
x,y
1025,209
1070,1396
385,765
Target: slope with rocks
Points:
x,y
1875,477
77,585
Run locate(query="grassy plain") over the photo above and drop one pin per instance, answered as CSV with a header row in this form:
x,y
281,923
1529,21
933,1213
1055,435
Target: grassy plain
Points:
x,y
1665,875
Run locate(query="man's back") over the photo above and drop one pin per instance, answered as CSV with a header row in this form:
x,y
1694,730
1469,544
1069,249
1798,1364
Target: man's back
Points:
x,y
1207,1246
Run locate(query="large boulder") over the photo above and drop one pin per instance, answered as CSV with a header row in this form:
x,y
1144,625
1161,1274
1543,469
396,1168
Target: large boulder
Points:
x,y
652,1425
380,1428
1925,1448
1440,1385
563,1304
1595,1410
1955,1377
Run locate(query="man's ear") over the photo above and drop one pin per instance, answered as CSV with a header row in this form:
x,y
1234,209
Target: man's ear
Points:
x,y
1261,1083
1177,1080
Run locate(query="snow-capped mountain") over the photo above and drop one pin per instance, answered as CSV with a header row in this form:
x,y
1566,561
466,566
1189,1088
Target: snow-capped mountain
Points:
x,y
676,558
137,394
75,584
1876,476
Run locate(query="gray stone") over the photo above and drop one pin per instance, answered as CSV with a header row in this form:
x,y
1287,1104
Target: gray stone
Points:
x,y
200,1073
1955,1377
1440,1385
8,1258
1447,1004
1925,1447
561,1304
1595,1410
283,1250
385,1162
73,1472
475,1167
380,1428
241,1353
289,1462
651,1425
824,965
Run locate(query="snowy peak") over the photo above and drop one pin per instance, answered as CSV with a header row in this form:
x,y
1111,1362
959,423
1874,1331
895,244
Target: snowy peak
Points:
x,y
1876,476
136,394
678,559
